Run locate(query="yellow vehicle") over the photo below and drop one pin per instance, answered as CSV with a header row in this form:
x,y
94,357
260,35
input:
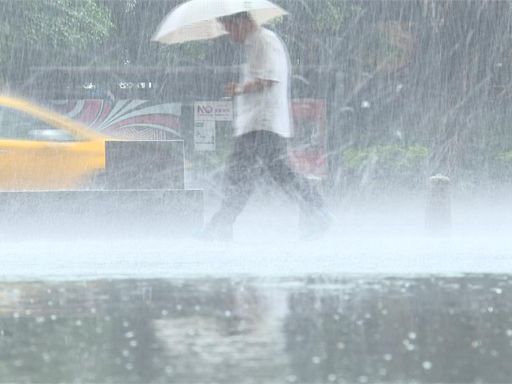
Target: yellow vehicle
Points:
x,y
43,150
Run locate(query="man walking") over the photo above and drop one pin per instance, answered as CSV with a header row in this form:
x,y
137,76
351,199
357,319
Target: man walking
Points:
x,y
262,129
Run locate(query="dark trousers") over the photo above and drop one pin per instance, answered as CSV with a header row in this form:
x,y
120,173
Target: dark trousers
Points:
x,y
253,153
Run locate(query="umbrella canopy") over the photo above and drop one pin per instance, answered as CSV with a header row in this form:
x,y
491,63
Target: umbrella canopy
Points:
x,y
197,19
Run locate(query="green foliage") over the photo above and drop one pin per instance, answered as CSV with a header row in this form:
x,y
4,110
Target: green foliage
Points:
x,y
501,166
319,16
51,28
322,21
330,16
387,166
393,155
505,156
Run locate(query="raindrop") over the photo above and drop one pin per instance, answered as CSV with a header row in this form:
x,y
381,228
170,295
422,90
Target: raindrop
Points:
x,y
407,344
509,332
126,324
16,315
18,363
164,312
78,323
40,319
129,366
126,353
412,335
179,307
494,353
227,313
316,360
340,345
50,303
362,379
53,317
46,357
498,291
427,365
169,370
388,357
383,371
129,335
133,343
331,377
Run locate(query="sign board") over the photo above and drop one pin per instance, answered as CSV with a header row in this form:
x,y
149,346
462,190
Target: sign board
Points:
x,y
308,152
204,136
213,111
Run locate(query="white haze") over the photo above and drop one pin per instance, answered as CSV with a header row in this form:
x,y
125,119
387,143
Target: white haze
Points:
x,y
381,238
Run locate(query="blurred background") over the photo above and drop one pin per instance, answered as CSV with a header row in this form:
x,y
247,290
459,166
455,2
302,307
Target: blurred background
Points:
x,y
385,93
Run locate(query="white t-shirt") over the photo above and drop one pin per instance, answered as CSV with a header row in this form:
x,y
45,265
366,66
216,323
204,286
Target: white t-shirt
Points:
x,y
267,59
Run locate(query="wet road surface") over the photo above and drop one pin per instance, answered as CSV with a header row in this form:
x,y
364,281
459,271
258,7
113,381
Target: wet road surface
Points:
x,y
313,329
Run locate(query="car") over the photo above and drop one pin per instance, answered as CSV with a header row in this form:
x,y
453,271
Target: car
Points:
x,y
44,150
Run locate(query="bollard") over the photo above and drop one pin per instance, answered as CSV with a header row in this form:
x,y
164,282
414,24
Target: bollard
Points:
x,y
438,218
135,165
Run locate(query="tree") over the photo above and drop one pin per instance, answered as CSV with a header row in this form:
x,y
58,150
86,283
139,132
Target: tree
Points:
x,y
48,32
137,20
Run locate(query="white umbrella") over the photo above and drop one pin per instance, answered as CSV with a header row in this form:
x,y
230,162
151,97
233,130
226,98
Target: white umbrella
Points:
x,y
197,19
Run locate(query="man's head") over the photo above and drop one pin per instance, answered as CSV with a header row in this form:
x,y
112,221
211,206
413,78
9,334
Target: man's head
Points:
x,y
238,26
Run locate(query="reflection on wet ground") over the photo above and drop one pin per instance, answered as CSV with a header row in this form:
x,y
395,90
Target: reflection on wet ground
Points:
x,y
246,330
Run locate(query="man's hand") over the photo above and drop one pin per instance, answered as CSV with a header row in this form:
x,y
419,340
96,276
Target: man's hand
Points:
x,y
233,89
258,85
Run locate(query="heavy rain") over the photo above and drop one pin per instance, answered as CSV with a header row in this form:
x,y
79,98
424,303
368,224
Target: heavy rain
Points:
x,y
246,191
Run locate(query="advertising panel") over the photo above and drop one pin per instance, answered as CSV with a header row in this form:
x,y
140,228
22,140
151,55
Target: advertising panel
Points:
x,y
132,119
309,145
